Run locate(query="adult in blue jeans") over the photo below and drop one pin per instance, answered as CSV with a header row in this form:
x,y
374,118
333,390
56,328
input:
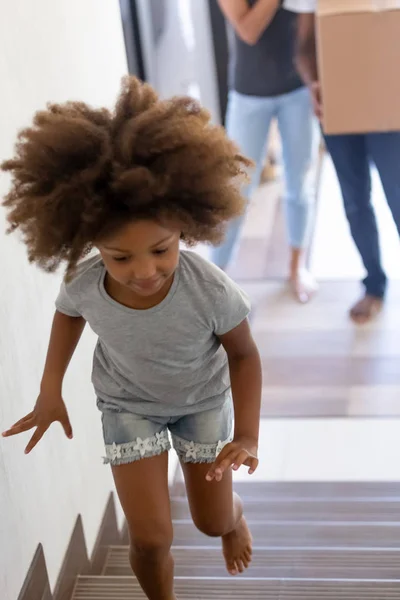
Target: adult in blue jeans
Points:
x,y
352,156
265,85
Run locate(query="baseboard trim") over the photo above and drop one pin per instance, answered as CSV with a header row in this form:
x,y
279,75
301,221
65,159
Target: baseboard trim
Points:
x,y
36,585
76,562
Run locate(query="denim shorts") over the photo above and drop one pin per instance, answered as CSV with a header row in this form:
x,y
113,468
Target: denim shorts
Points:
x,y
196,438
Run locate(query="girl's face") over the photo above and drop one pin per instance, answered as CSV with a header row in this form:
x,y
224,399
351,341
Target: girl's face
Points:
x,y
142,256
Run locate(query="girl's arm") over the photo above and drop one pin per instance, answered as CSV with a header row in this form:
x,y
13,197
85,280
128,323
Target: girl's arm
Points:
x,y
65,335
246,380
249,22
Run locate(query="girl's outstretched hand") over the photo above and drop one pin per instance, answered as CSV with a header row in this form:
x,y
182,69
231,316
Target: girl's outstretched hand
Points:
x,y
242,451
48,409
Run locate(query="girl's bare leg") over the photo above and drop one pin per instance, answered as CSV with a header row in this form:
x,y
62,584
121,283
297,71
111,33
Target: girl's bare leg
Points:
x,y
142,488
218,512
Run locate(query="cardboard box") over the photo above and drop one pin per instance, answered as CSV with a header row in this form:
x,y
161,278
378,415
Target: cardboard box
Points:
x,y
359,63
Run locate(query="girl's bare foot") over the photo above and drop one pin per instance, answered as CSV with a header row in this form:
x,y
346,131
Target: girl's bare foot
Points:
x,y
303,285
237,548
366,309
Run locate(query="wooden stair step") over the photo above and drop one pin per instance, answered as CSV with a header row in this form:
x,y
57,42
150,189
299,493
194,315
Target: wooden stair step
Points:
x,y
305,534
315,563
315,509
331,490
127,588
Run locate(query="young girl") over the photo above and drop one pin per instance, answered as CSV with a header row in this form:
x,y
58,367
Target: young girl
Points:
x,y
173,335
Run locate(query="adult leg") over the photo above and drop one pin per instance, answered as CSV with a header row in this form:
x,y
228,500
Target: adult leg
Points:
x,y
247,123
384,149
270,169
137,450
299,145
350,157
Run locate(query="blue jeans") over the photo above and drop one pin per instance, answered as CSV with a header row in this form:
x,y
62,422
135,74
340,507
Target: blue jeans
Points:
x,y
352,156
248,123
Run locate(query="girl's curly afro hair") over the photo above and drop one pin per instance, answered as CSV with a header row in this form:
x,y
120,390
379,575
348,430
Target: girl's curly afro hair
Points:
x,y
80,173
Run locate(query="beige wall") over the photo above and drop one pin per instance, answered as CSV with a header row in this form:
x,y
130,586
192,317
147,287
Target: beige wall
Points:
x,y
49,50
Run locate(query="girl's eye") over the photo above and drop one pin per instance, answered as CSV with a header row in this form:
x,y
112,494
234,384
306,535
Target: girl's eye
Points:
x,y
160,251
120,258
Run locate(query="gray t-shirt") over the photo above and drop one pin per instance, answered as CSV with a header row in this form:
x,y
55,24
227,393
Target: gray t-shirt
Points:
x,y
166,361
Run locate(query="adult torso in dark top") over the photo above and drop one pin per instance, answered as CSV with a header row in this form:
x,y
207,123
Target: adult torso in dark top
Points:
x,y
266,69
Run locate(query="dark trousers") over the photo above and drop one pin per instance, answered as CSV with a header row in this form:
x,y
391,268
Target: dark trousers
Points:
x,y
352,156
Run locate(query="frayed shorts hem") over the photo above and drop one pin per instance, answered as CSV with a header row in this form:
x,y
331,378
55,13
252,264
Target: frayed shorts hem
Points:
x,y
187,451
194,452
120,454
126,460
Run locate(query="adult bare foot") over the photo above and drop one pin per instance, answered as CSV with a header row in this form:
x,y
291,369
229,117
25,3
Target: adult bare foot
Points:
x,y
237,548
269,172
303,285
366,309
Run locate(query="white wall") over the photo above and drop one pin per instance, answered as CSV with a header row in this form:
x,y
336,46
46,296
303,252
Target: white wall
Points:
x,y
49,50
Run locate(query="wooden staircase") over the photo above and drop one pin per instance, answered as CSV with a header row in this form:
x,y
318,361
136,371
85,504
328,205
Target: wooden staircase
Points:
x,y
333,541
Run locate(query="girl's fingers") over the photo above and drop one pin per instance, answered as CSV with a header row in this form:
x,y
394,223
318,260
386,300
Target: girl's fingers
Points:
x,y
66,425
37,436
26,418
220,466
240,459
20,422
227,462
226,451
20,427
253,465
220,458
231,458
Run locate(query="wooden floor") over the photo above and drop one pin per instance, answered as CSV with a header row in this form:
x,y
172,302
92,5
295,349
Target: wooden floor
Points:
x,y
263,252
316,363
